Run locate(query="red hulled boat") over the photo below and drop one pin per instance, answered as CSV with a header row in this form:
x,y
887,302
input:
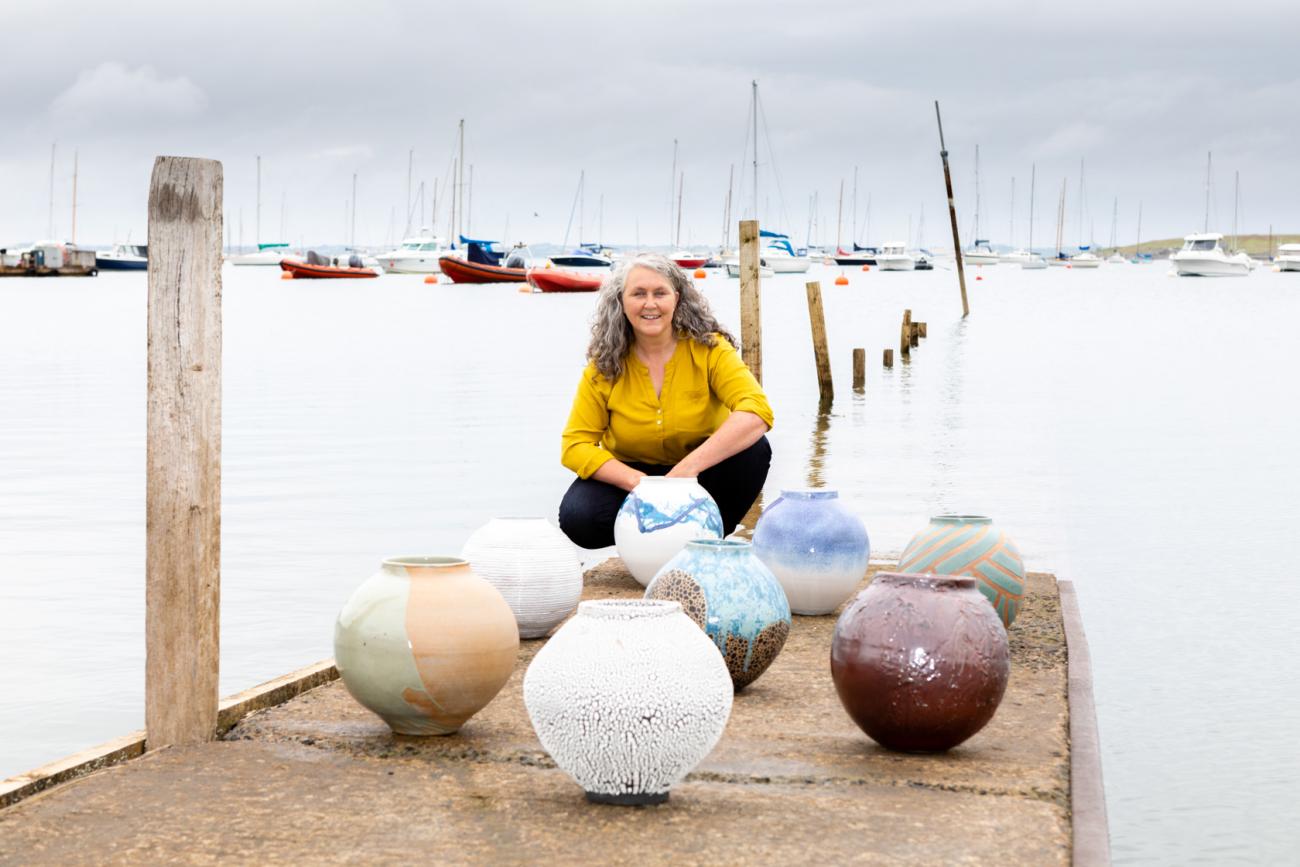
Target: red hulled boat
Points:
x,y
554,280
461,271
317,266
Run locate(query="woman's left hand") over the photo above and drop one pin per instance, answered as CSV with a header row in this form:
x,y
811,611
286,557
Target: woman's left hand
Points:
x,y
740,431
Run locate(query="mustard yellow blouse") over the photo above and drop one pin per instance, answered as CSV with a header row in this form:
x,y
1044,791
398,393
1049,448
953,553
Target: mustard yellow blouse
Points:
x,y
626,420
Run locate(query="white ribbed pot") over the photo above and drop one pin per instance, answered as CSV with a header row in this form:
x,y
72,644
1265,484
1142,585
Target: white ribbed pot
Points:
x,y
658,518
628,697
534,566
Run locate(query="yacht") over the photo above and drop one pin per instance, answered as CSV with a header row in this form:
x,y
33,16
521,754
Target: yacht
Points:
x,y
980,253
1203,255
586,256
1026,259
1085,258
781,256
1116,258
733,268
267,254
1288,257
124,257
893,256
417,255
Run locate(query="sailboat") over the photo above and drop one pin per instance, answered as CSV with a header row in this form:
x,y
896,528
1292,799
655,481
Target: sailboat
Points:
x,y
1115,257
980,252
1203,254
267,254
1085,258
585,255
1026,258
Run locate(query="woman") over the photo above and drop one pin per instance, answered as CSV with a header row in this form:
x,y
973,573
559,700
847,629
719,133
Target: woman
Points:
x,y
664,394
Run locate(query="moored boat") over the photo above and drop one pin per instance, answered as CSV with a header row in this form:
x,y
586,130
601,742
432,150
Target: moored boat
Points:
x,y
585,256
1203,255
980,253
316,266
859,256
733,268
688,260
780,254
267,254
893,256
555,280
124,257
48,259
463,271
1085,258
1288,257
418,255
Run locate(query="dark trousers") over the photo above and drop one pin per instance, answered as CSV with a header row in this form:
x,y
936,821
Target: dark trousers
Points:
x,y
589,507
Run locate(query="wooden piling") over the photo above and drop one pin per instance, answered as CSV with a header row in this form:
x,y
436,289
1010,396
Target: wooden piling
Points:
x,y
751,319
817,318
952,214
183,452
905,337
859,369
921,329
914,333
889,358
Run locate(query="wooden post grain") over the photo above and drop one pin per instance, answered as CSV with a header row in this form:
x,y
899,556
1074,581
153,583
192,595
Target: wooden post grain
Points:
x,y
920,329
859,369
914,333
889,358
817,318
905,337
183,460
952,214
751,318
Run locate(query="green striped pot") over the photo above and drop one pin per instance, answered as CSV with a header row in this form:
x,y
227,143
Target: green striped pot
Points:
x,y
970,545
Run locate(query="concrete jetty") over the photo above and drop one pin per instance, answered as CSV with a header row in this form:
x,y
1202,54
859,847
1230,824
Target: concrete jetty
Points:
x,y
318,779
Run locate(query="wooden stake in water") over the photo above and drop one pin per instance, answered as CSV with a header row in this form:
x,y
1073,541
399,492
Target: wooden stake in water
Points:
x,y
183,458
905,337
859,369
952,214
751,318
888,360
817,318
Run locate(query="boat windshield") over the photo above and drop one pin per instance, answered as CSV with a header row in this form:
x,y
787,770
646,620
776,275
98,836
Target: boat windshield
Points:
x,y
1201,244
411,245
429,247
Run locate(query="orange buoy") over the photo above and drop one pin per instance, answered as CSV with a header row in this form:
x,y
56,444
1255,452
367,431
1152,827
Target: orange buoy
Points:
x,y
432,278
841,280
286,275
979,276
526,288
700,273
866,267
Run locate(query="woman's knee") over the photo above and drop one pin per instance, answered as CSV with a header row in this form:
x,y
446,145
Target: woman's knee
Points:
x,y
587,513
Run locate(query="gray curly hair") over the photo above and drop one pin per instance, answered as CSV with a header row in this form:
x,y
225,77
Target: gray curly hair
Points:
x,y
611,332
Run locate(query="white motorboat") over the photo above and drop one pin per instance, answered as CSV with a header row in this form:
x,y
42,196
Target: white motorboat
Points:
x,y
267,254
124,257
1203,255
1288,257
1026,259
980,253
733,268
893,256
585,256
1085,258
417,255
781,256
1116,259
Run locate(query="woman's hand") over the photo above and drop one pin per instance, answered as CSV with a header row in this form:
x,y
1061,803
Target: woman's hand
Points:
x,y
740,431
620,475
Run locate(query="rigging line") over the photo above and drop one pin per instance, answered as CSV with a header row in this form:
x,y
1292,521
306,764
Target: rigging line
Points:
x,y
776,176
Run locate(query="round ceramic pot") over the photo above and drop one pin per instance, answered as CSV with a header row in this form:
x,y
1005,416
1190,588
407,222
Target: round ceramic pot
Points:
x,y
533,565
814,546
920,662
628,697
971,545
734,598
658,518
425,643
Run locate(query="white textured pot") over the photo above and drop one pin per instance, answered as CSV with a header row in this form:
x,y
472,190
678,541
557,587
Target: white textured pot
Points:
x,y
657,520
628,697
534,566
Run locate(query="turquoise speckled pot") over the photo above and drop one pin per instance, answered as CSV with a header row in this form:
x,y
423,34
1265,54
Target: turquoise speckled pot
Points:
x,y
733,597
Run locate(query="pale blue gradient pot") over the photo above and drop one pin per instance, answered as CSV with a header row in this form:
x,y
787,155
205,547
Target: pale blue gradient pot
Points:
x,y
817,549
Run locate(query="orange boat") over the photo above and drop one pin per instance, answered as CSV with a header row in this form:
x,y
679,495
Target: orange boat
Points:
x,y
552,280
318,266
461,271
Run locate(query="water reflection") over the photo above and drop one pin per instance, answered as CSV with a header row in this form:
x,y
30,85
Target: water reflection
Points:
x,y
817,455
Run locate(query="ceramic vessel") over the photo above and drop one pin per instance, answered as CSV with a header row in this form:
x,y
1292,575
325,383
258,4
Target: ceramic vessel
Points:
x,y
628,697
733,597
971,545
658,518
533,565
425,643
920,662
817,549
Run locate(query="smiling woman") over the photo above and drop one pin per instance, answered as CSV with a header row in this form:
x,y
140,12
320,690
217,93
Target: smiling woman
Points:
x,y
664,394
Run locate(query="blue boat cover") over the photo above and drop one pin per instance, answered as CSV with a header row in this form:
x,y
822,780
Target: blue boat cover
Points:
x,y
764,233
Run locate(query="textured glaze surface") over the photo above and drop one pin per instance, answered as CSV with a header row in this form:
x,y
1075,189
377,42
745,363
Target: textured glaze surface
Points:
x,y
920,662
658,518
815,547
627,698
534,567
425,643
734,598
971,545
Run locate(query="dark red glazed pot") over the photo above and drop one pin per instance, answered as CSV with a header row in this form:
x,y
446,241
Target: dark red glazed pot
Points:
x,y
920,662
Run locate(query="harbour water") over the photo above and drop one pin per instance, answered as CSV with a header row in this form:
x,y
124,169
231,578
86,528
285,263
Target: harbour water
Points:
x,y
1132,431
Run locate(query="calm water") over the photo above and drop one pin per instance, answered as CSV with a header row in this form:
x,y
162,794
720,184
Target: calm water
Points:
x,y
1132,431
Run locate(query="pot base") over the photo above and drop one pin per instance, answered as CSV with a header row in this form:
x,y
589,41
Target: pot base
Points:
x,y
633,799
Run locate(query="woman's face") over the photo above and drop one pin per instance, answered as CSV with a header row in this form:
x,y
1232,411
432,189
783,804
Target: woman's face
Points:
x,y
648,303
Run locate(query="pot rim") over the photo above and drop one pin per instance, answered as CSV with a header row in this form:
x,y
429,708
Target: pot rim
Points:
x,y
728,545
673,479
811,493
928,580
961,519
425,561
628,609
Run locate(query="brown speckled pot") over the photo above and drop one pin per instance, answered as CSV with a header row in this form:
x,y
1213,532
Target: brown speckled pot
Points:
x,y
920,662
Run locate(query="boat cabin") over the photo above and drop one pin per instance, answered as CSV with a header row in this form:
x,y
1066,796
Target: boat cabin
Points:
x,y
1202,243
893,248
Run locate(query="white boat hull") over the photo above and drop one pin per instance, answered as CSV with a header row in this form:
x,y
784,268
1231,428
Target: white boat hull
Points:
x,y
1085,262
263,258
788,264
980,258
423,264
1199,265
1287,263
895,263
733,270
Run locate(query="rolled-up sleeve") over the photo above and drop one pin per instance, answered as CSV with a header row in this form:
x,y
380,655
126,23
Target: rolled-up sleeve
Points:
x,y
580,449
734,384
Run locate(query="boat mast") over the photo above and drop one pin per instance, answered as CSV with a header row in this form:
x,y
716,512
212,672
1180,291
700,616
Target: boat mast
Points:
x,y
1236,201
1114,224
755,108
1011,224
460,180
1080,201
582,203
1060,220
74,197
257,220
354,211
469,202
855,204
1138,246
680,185
839,221
726,209
451,214
672,182
49,231
1209,160
1033,177
977,194
410,169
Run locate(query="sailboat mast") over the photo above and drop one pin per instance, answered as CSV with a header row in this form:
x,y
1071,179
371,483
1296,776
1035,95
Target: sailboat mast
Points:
x,y
257,221
353,243
755,87
1236,201
1080,201
680,186
469,203
410,170
1209,161
839,221
49,231
1114,223
977,194
726,209
582,204
855,203
1060,220
1033,177
74,196
1138,246
460,180
672,182
1011,224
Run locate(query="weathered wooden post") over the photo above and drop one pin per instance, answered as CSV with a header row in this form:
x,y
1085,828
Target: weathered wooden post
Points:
x,y
905,337
889,358
183,462
952,214
751,318
817,318
859,369
921,329
914,333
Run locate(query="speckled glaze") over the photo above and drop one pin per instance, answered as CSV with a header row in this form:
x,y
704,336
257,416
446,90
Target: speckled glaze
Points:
x,y
657,518
920,662
533,565
815,547
971,545
733,597
627,697
425,643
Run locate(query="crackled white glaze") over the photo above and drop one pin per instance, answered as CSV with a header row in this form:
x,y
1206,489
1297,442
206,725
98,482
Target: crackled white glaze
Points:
x,y
628,697
534,566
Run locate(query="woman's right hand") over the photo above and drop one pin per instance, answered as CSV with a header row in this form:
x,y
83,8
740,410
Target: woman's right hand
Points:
x,y
620,475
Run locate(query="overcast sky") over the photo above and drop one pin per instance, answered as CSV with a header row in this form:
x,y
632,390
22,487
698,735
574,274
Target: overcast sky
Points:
x,y
1141,91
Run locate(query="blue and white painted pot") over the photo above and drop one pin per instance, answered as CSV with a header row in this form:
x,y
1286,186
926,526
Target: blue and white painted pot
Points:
x,y
658,518
733,597
817,549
